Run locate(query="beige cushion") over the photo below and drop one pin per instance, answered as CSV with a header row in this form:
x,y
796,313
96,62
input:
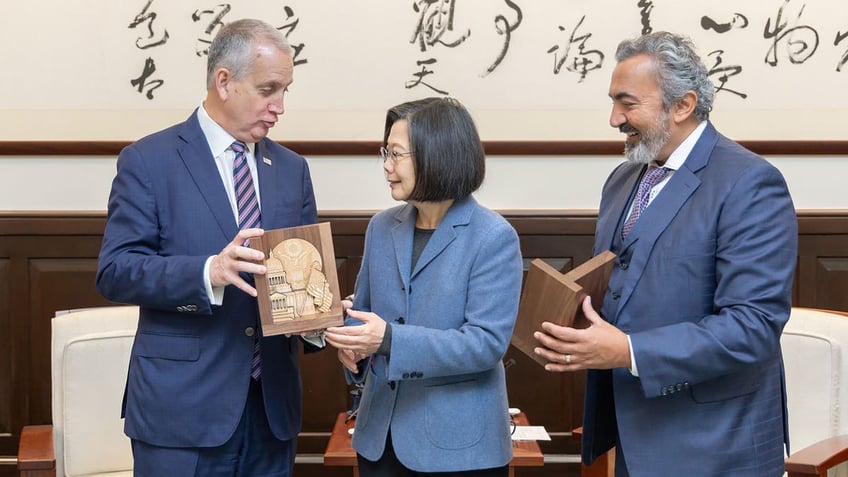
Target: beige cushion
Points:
x,y
91,350
814,352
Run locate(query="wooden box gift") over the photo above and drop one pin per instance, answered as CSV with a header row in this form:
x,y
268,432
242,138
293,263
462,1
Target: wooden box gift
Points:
x,y
556,297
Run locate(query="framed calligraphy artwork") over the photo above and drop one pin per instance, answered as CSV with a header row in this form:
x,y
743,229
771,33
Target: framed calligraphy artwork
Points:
x,y
529,70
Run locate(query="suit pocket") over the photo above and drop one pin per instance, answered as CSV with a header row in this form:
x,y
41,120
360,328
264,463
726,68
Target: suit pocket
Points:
x,y
454,415
163,346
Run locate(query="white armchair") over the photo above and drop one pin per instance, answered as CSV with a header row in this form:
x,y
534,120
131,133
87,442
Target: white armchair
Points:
x,y
815,353
90,354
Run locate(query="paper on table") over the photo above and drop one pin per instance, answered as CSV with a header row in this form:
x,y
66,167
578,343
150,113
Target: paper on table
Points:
x,y
530,433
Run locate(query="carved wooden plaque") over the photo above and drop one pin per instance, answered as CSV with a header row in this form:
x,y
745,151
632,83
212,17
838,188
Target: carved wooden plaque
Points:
x,y
300,291
550,295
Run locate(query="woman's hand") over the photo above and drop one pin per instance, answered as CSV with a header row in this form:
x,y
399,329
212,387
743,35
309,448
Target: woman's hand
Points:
x,y
364,339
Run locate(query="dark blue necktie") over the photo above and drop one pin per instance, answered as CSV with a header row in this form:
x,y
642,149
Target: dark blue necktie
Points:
x,y
248,217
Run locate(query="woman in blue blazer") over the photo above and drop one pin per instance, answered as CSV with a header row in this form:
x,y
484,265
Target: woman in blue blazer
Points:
x,y
435,304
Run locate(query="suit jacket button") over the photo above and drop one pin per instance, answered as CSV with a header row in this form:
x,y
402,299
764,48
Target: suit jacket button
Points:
x,y
249,331
624,265
191,307
405,375
400,320
392,385
616,295
679,386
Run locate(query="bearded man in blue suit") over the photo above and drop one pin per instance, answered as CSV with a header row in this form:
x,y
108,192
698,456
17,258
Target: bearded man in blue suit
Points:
x,y
206,394
685,375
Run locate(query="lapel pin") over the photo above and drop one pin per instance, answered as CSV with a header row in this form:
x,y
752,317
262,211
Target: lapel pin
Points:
x,y
266,160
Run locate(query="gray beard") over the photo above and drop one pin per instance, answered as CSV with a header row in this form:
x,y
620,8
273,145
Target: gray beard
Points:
x,y
642,153
651,143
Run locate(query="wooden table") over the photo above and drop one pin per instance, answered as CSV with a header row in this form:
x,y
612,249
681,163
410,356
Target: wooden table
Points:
x,y
339,452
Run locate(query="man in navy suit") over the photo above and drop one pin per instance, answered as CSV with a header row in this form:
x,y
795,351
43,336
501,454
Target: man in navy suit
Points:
x,y
206,395
685,375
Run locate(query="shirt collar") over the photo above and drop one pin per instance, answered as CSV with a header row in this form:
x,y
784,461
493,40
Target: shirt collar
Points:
x,y
678,157
218,138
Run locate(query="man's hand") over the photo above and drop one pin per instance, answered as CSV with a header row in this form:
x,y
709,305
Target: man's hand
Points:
x,y
235,258
600,346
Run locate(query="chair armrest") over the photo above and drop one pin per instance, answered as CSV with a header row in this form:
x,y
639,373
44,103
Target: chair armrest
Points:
x,y
36,456
604,466
818,458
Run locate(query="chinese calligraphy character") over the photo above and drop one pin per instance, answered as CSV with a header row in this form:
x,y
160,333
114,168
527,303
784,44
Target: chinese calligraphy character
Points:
x,y
435,19
584,60
708,23
149,42
505,29
423,74
724,72
287,29
645,7
801,41
839,37
143,81
202,45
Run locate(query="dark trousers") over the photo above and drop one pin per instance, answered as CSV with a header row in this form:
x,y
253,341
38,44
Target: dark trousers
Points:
x,y
252,451
389,466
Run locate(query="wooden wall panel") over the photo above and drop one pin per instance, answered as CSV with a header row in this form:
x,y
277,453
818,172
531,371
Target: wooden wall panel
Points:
x,y
6,370
54,284
48,262
831,277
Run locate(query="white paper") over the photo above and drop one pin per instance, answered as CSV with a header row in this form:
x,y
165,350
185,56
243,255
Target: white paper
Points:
x,y
530,433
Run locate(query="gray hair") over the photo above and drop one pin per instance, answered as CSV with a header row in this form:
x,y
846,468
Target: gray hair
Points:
x,y
232,47
679,68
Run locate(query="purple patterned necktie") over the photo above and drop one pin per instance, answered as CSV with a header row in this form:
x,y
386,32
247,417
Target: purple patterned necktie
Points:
x,y
654,176
248,217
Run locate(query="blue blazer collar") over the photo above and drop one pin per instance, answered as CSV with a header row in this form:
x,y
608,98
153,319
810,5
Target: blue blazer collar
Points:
x,y
459,214
198,159
200,163
656,218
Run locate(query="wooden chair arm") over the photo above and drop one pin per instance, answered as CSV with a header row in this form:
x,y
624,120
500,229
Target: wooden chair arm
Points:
x,y
818,458
604,466
36,455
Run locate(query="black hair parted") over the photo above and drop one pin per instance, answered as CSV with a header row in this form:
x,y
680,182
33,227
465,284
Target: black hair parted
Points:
x,y
446,149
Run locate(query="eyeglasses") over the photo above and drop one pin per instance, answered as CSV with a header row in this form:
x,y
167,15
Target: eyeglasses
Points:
x,y
393,155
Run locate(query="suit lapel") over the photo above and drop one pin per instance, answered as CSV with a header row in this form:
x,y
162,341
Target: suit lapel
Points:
x,y
676,192
459,214
269,183
666,206
622,192
402,239
201,166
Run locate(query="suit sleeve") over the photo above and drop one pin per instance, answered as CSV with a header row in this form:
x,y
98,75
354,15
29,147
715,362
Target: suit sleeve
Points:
x,y
755,254
361,302
131,267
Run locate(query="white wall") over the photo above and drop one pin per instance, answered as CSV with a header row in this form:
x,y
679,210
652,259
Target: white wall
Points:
x,y
356,183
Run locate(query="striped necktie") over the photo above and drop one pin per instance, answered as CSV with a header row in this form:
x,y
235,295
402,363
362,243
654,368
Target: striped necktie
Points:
x,y
654,176
248,217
